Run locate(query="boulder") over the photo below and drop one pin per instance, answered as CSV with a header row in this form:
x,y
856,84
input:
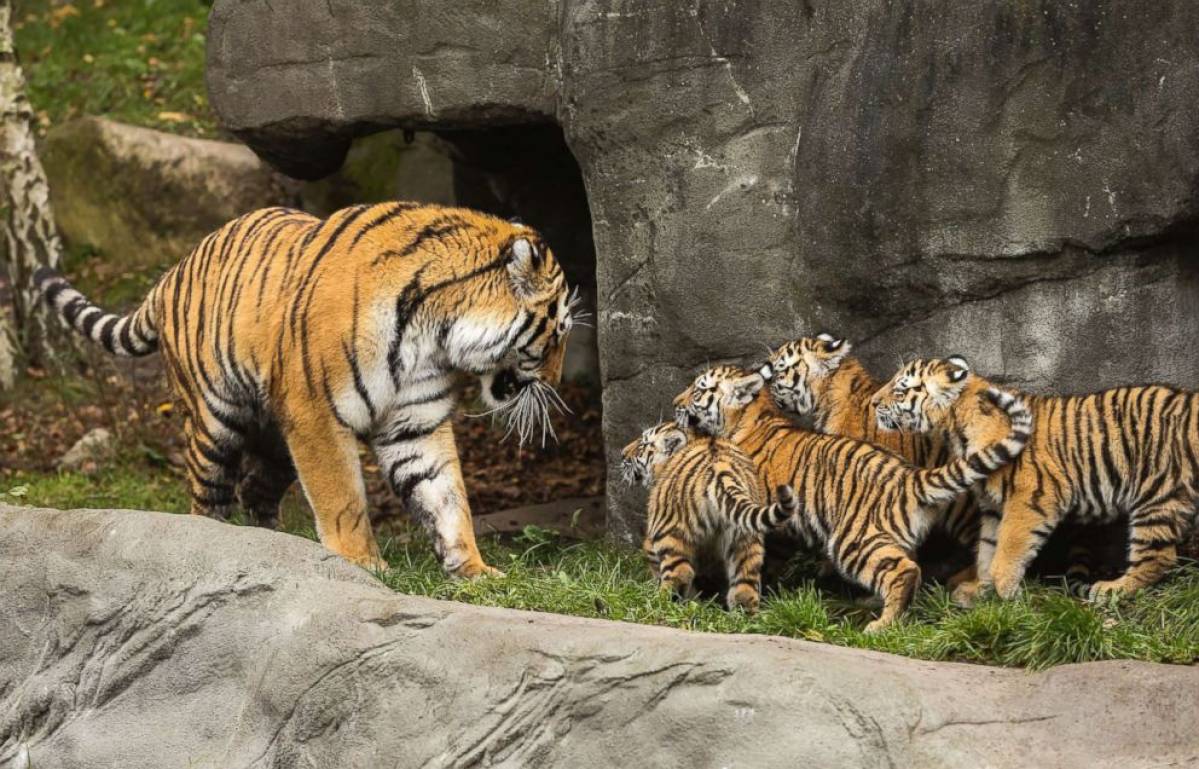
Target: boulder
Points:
x,y
1016,182
148,640
95,446
147,198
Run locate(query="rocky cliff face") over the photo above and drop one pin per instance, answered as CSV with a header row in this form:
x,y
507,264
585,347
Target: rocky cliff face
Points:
x,y
150,640
1015,181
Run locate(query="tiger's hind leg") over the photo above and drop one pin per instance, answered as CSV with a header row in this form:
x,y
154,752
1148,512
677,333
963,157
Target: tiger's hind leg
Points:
x,y
1154,533
892,574
743,557
267,473
963,522
326,460
967,591
212,457
264,481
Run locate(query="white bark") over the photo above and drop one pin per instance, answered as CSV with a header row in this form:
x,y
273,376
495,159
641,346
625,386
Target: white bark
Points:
x,y
29,228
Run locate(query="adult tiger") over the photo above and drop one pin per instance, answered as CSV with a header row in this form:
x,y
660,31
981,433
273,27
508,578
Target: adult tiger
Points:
x,y
869,507
288,338
1091,457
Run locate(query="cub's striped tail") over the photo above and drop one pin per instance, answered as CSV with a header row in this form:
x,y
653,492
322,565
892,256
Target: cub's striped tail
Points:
x,y
743,512
132,335
945,483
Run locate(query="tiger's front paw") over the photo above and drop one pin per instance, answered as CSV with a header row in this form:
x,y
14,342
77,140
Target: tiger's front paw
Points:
x,y
1107,589
745,598
475,569
876,626
967,592
1007,583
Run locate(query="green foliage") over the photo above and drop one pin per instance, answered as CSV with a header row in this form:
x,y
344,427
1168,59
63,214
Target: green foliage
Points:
x,y
137,61
129,482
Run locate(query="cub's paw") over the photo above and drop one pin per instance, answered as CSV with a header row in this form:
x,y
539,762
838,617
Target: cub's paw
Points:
x,y
1106,590
476,569
1007,586
745,598
966,593
876,626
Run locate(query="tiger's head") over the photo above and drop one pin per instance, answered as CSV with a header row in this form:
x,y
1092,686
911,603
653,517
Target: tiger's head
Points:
x,y
516,342
642,457
921,395
798,372
715,401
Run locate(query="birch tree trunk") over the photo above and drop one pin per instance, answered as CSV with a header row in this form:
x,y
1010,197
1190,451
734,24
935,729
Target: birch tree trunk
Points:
x,y
30,232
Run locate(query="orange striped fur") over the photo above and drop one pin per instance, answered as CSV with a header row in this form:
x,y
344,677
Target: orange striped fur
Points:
x,y
1132,450
704,489
817,377
866,505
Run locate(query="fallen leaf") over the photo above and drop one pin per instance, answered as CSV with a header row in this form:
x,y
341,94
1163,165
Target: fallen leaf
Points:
x,y
174,117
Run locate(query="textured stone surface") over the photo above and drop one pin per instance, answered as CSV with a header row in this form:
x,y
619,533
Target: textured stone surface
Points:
x,y
146,640
144,197
1018,182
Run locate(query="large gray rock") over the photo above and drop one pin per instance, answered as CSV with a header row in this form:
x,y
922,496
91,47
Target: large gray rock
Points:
x,y
1018,182
144,197
147,640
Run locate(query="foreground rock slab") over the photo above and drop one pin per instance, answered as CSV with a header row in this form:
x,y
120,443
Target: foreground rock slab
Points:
x,y
147,640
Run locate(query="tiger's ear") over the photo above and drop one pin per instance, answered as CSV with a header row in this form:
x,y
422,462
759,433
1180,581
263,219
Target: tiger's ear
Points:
x,y
673,441
524,261
959,369
742,391
831,352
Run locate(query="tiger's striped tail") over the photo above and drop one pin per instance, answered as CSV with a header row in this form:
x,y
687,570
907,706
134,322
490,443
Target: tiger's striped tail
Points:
x,y
945,483
131,335
742,511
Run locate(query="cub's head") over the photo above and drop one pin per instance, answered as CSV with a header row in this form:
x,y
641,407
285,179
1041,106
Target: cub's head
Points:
x,y
797,371
516,342
920,396
641,458
715,400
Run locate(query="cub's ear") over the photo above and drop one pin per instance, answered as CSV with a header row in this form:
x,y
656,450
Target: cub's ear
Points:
x,y
742,391
959,369
832,352
673,441
524,260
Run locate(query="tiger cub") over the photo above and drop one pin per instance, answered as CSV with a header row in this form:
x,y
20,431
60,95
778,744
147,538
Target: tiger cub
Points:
x,y
288,338
1091,457
866,505
703,488
817,377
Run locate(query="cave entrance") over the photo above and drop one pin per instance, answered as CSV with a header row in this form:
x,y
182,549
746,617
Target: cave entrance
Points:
x,y
525,172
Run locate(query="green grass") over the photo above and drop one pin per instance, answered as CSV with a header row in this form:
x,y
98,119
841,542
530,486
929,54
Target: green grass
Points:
x,y
1046,626
137,61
